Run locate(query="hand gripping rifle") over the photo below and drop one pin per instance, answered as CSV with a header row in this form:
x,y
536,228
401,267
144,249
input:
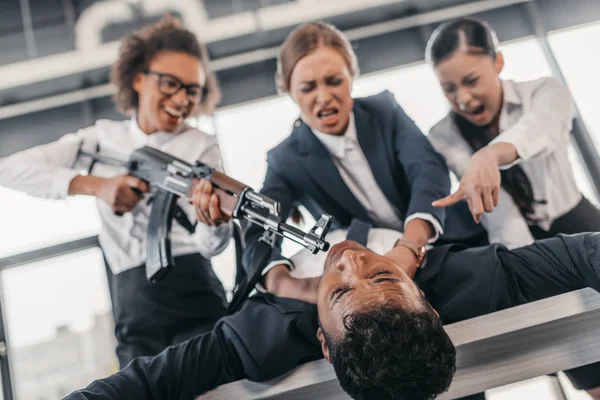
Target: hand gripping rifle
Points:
x,y
171,178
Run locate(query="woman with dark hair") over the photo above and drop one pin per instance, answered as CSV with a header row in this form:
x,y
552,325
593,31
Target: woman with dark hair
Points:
x,y
353,158
506,141
162,78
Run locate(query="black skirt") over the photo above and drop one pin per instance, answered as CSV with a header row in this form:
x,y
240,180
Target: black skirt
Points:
x,y
152,316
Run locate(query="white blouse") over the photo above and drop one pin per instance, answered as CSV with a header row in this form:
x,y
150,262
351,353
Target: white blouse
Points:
x,y
47,170
536,118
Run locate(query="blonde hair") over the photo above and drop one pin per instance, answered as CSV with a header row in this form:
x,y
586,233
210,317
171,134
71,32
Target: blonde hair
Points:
x,y
305,39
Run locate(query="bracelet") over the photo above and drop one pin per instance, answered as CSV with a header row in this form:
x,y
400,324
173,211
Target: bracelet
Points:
x,y
419,252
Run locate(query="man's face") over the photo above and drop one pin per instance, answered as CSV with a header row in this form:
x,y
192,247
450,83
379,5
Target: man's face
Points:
x,y
355,278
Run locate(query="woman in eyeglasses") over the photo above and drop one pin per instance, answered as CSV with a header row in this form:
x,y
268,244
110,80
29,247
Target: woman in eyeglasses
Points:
x,y
161,79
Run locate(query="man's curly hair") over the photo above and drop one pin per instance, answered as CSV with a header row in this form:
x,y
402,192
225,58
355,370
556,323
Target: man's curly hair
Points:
x,y
139,48
392,353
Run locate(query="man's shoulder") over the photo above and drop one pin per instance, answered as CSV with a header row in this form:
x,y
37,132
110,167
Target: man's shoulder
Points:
x,y
264,308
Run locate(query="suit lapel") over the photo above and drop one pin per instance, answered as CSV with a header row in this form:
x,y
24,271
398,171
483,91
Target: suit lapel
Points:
x,y
320,167
373,146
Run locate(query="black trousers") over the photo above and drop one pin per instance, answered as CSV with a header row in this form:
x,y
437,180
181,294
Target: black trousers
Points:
x,y
584,217
152,316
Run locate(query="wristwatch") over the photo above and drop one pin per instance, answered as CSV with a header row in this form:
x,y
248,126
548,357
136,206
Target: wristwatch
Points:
x,y
419,251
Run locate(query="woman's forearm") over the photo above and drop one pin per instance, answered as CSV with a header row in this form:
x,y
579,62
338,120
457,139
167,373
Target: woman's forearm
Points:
x,y
418,231
85,184
503,153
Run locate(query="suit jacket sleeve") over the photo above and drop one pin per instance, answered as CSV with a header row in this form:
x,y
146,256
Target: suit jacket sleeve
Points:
x,y
553,266
426,170
462,284
179,372
278,188
267,338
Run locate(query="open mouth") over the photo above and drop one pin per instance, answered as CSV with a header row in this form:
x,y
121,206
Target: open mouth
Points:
x,y
475,111
328,116
175,116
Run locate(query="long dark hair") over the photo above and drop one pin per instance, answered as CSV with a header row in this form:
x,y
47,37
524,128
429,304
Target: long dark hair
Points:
x,y
448,37
481,39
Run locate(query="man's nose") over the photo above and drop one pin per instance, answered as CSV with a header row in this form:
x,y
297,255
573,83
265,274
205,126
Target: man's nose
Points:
x,y
349,262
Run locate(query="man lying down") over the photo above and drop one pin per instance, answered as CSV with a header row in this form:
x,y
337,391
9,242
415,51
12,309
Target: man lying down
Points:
x,y
379,325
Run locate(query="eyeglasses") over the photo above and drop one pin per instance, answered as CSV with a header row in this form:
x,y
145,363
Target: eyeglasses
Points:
x,y
170,85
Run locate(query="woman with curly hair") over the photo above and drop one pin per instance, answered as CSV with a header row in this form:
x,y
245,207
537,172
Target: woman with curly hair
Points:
x,y
162,78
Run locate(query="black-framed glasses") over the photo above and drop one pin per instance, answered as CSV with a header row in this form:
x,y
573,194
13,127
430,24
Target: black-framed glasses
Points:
x,y
169,85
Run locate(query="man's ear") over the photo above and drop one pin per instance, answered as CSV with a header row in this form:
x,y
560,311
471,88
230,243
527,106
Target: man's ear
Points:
x,y
138,81
499,64
324,347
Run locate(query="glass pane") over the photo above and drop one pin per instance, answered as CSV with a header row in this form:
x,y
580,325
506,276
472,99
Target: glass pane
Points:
x,y
59,324
415,88
524,60
576,55
29,223
580,68
248,131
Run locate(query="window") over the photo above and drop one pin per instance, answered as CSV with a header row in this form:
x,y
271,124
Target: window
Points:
x,y
577,55
574,51
30,223
59,324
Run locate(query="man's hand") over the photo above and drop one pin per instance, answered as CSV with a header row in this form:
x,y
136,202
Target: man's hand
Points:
x,y
480,185
404,258
122,192
281,283
207,205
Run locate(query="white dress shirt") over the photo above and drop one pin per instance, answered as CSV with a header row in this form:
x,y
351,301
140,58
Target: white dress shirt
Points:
x,y
47,170
351,163
536,118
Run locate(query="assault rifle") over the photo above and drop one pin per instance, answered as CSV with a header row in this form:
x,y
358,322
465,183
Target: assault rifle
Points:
x,y
170,178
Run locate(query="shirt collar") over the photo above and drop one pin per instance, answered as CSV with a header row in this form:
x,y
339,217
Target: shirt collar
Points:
x,y
510,93
156,139
337,145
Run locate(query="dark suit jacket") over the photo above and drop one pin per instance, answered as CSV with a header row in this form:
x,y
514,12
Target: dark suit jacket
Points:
x,y
272,335
408,170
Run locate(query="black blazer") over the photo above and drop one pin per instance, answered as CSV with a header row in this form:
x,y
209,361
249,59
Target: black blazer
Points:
x,y
272,335
408,170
